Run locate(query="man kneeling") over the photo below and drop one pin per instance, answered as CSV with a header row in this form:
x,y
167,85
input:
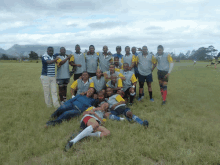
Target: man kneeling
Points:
x,y
91,124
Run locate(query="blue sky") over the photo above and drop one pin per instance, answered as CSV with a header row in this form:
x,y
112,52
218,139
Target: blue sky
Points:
x,y
179,25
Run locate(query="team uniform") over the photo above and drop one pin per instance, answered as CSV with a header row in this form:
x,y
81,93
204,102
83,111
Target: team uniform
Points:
x,y
81,86
129,59
118,84
119,67
145,64
48,81
128,82
92,64
78,58
116,72
98,84
63,74
121,109
163,67
213,62
104,62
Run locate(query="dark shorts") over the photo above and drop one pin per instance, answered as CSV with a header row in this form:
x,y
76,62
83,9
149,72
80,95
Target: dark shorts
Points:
x,y
148,78
212,63
63,81
92,74
136,75
218,62
76,76
120,110
161,75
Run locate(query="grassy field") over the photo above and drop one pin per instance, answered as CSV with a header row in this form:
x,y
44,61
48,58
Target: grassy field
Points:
x,y
184,131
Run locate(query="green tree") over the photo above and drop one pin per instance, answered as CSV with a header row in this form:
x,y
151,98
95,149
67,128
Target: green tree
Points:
x,y
4,57
33,55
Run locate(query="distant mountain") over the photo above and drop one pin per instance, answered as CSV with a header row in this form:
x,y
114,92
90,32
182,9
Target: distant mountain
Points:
x,y
2,51
23,50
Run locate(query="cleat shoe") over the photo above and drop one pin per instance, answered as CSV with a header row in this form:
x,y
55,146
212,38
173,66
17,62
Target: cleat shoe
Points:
x,y
68,146
164,102
145,123
50,123
152,100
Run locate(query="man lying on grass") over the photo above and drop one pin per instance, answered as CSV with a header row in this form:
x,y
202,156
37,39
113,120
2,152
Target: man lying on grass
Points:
x,y
117,107
73,107
91,124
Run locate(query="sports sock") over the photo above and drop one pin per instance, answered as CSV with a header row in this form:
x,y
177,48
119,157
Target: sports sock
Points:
x,y
64,92
114,117
131,99
161,89
137,119
86,132
164,93
61,93
150,94
96,134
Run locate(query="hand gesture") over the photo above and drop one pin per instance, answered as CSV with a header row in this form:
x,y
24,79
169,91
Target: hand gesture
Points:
x,y
57,58
88,53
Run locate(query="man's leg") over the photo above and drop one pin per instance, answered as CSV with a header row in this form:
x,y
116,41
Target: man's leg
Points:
x,y
150,91
46,88
129,115
65,116
141,89
65,84
63,108
54,92
131,91
113,116
164,92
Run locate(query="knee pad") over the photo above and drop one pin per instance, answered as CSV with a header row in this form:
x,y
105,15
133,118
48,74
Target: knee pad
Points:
x,y
165,87
141,85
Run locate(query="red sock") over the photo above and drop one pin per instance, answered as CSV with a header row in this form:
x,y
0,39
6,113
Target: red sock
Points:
x,y
164,95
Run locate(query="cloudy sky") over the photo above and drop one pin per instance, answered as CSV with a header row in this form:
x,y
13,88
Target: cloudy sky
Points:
x,y
179,25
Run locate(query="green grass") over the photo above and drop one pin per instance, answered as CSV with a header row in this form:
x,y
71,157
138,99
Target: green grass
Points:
x,y
185,131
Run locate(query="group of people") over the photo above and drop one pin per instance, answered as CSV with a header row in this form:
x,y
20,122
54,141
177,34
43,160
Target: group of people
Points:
x,y
104,84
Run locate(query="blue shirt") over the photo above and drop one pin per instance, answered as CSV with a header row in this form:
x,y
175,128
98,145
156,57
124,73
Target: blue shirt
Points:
x,y
118,55
48,69
83,102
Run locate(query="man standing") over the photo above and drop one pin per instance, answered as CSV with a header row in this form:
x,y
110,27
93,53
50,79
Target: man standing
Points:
x,y
146,63
91,61
165,66
129,58
63,75
78,61
105,59
118,54
48,79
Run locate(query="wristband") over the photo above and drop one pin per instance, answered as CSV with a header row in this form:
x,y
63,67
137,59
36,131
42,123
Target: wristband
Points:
x,y
133,86
73,96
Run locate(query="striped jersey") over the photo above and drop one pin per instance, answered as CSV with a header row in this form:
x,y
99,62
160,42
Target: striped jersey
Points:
x,y
48,69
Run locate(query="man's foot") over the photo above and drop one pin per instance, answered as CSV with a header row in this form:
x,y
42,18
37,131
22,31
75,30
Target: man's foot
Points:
x,y
145,123
68,146
139,99
164,102
152,100
50,123
142,97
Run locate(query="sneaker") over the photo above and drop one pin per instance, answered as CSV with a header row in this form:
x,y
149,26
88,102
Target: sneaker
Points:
x,y
139,99
152,100
145,123
142,97
68,146
50,123
164,102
